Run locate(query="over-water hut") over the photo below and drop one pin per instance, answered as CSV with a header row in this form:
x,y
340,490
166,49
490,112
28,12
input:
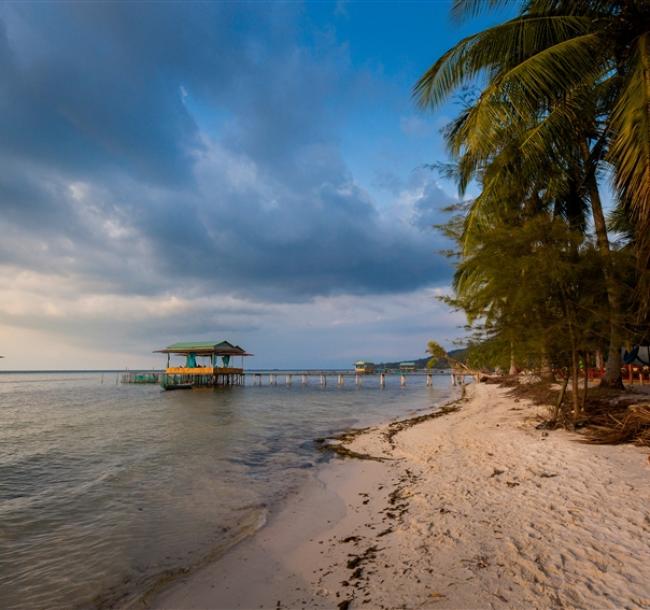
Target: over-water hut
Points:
x,y
363,367
201,366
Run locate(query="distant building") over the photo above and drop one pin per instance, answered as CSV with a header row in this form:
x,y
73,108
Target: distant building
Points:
x,y
407,366
361,367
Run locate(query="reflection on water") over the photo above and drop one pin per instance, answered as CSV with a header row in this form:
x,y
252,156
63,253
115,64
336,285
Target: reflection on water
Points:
x,y
105,487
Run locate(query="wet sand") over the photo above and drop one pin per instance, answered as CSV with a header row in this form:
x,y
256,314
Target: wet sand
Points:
x,y
475,509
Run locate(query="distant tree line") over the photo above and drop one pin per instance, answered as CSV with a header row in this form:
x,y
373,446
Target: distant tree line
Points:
x,y
442,361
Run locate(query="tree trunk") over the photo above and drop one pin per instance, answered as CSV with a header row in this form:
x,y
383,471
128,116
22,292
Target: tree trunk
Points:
x,y
545,371
585,387
560,399
612,377
513,361
574,374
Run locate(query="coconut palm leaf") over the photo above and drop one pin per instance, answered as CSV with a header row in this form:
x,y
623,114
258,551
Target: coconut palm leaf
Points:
x,y
464,9
499,47
630,148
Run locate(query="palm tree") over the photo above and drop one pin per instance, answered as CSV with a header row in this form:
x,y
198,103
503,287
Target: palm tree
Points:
x,y
572,79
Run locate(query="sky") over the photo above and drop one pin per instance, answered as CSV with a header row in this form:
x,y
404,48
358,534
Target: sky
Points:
x,y
254,172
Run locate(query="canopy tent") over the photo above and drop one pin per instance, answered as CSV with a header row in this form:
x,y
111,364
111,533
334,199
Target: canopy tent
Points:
x,y
638,355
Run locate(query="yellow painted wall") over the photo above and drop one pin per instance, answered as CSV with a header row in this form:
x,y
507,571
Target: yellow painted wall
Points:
x,y
202,370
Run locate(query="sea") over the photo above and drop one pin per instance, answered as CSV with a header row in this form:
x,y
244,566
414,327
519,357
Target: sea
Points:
x,y
108,490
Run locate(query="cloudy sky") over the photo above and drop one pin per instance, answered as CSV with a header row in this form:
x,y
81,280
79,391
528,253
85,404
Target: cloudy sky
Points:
x,y
251,172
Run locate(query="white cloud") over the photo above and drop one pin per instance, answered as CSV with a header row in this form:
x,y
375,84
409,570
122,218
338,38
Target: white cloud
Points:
x,y
416,126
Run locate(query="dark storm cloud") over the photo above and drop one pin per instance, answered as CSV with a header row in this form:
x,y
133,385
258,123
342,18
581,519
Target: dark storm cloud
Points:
x,y
147,147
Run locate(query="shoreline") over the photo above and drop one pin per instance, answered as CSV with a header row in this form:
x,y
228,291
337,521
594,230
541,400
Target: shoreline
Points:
x,y
331,448
460,511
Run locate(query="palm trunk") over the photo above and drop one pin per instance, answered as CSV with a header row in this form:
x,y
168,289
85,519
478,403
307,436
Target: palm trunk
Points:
x,y
612,377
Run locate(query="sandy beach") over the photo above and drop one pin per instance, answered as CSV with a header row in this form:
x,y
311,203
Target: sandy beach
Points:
x,y
474,509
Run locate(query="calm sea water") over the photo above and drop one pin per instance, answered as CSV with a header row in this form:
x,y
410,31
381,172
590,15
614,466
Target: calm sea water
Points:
x,y
107,489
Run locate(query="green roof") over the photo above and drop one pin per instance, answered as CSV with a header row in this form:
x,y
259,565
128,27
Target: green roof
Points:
x,y
195,345
204,347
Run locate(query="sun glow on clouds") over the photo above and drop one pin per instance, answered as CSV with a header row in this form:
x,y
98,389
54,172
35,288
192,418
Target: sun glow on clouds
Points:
x,y
49,310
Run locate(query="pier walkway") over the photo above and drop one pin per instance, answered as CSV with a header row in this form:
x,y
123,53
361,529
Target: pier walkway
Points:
x,y
274,377
339,378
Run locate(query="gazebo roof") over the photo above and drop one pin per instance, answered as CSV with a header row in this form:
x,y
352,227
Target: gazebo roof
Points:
x,y
204,348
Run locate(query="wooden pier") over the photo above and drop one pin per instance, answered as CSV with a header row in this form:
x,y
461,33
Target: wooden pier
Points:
x,y
208,364
337,378
184,378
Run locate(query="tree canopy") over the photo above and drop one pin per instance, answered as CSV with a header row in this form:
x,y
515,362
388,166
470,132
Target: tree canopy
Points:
x,y
564,102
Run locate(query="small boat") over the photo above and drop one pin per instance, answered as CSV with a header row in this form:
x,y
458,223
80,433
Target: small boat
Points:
x,y
176,386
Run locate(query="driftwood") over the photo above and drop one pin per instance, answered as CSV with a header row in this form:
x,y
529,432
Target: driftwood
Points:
x,y
627,425
609,417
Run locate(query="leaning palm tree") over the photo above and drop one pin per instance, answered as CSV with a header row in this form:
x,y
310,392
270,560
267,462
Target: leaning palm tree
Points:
x,y
575,73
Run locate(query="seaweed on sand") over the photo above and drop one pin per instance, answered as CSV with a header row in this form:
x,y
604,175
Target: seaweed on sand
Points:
x,y
336,445
396,427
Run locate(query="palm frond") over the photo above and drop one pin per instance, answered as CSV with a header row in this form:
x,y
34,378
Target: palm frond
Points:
x,y
494,50
630,148
464,9
532,84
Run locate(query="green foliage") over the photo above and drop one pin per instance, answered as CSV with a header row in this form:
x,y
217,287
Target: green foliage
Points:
x,y
566,94
563,69
436,350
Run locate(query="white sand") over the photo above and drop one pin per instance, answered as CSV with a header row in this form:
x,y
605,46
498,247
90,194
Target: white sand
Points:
x,y
475,509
